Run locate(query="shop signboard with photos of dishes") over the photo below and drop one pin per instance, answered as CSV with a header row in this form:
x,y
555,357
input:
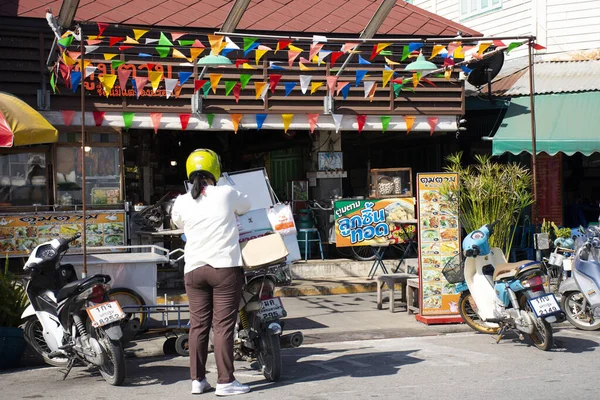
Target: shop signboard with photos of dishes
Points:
x,y
20,233
439,241
372,222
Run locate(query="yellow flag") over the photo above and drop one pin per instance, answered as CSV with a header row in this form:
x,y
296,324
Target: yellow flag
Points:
x,y
448,73
387,75
260,89
68,60
437,49
223,45
304,67
287,121
409,120
214,81
458,52
315,59
247,66
84,66
381,46
194,53
390,62
314,86
178,54
416,78
258,54
138,33
235,120
216,42
107,81
294,48
109,56
130,40
155,77
483,47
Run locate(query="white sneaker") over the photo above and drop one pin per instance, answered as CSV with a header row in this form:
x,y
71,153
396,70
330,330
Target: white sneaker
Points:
x,y
230,389
199,387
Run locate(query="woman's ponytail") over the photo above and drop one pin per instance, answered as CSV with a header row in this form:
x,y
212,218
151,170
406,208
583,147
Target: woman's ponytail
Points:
x,y
200,183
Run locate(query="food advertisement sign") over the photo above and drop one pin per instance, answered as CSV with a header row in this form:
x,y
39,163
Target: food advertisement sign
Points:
x,y
439,241
373,222
20,233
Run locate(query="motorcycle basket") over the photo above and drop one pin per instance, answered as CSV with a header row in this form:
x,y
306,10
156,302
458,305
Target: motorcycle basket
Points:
x,y
454,272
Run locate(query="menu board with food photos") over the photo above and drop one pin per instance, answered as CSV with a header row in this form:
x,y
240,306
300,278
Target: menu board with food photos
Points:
x,y
21,233
439,241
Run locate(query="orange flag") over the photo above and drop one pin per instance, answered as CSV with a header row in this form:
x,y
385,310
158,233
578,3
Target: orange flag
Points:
x,y
235,120
214,81
331,81
312,121
437,49
216,43
194,53
260,87
287,120
156,117
432,121
409,120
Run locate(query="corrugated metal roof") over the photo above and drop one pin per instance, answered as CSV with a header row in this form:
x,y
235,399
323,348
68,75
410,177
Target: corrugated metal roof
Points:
x,y
314,16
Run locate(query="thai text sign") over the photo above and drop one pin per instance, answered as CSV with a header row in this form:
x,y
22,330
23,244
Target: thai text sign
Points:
x,y
373,221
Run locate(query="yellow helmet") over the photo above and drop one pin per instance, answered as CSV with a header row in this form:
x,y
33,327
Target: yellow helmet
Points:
x,y
206,161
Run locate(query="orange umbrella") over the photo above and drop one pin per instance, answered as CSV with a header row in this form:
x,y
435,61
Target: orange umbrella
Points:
x,y
21,125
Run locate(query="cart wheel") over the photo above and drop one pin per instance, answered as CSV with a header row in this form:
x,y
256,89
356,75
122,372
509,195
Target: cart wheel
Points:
x,y
169,346
128,297
182,345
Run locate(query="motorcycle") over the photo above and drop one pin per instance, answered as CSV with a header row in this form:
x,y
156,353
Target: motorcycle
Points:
x,y
580,293
497,296
72,320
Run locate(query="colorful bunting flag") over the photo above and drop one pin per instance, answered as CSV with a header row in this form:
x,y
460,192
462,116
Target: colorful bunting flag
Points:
x,y
170,84
188,42
322,55
466,69
155,117
237,89
349,46
340,86
177,35
74,55
273,65
144,55
253,46
249,41
93,42
498,43
513,46
140,82
90,49
437,49
216,43
372,91
127,119
259,88
123,48
287,121
282,44
273,81
163,41
66,41
183,77
360,74
345,90
229,87
240,61
362,61
107,81
98,117
289,86
114,40
184,119
244,79
413,46
331,82
390,62
155,77
337,120
294,48
116,64
130,40
109,56
409,120
260,120
206,89
448,73
101,27
405,53
448,62
397,88
314,86
235,120
537,46
385,122
151,41
312,121
304,82
68,60
68,116
163,52
53,82
432,121
416,77
292,55
198,84
314,49
387,75
258,55
361,119
458,52
304,67
178,54
138,33
368,87
214,81
483,46
335,56
123,75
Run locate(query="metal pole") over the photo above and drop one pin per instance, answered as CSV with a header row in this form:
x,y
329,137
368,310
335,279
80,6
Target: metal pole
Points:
x,y
533,133
83,185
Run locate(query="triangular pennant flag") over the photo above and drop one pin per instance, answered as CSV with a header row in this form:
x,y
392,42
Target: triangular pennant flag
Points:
x,y
314,86
184,119
170,84
140,82
177,35
114,40
259,88
74,54
289,86
373,52
387,75
416,78
109,56
229,87
198,44
498,43
206,89
66,41
372,91
151,41
294,48
68,116
513,46
314,49
135,89
304,82
451,47
144,55
360,74
240,61
405,53
155,77
448,73
273,81
337,120
163,41
98,117
466,69
292,55
385,122
335,56
138,33
237,89
437,49
235,120
90,49
155,117
216,43
397,88
248,41
64,72
75,79
107,81
116,64
321,56
101,27
349,46
483,46
123,48
331,82
210,118
183,77
260,120
409,120
312,121
340,86
163,52
390,62
381,46
304,67
198,84
53,82
258,55
345,90
362,61
194,53
282,44
287,121
458,52
214,81
178,54
368,87
273,65
188,43
360,120
413,46
448,62
127,119
68,60
253,46
130,40
93,42
432,121
537,46
123,75
244,79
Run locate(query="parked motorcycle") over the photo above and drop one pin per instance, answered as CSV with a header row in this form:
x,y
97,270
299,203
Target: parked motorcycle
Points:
x,y
581,292
497,296
72,320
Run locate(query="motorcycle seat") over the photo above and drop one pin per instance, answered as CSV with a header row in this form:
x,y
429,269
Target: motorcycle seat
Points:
x,y
73,287
510,270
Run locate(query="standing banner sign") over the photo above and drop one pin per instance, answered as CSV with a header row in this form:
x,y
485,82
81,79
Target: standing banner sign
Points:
x,y
439,244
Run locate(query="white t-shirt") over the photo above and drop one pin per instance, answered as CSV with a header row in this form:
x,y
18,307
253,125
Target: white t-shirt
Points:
x,y
210,226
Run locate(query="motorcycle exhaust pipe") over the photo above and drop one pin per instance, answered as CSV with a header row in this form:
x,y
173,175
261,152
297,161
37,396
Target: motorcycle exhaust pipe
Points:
x,y
291,340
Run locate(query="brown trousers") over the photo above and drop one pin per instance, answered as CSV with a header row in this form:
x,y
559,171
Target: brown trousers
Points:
x,y
214,295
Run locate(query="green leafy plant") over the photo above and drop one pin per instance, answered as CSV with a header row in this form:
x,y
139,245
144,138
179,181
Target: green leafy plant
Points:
x,y
490,191
13,299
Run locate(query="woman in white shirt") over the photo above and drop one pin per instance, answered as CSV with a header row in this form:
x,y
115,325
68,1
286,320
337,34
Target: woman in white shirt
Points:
x,y
213,275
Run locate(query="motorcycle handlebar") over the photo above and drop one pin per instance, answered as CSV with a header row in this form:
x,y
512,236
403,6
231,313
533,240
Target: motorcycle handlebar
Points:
x,y
73,238
493,224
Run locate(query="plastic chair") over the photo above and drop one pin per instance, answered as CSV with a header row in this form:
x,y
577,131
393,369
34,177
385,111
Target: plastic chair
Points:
x,y
306,241
523,242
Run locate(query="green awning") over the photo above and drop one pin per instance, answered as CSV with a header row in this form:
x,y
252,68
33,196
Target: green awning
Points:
x,y
567,122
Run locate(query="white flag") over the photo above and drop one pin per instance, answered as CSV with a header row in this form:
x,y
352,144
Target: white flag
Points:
x,y
337,120
305,82
170,86
89,49
150,41
90,70
368,87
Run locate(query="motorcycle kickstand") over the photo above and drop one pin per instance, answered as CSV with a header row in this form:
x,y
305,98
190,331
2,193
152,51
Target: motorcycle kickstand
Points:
x,y
69,367
500,335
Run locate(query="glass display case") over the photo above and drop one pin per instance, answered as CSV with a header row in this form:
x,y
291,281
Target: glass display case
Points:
x,y
23,178
391,182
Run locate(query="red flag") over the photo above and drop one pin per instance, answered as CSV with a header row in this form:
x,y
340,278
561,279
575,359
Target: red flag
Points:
x,y
240,61
499,43
334,56
184,118
121,48
236,91
273,81
448,62
538,46
101,27
114,40
68,116
432,121
312,120
156,117
98,117
282,44
198,83
374,51
361,119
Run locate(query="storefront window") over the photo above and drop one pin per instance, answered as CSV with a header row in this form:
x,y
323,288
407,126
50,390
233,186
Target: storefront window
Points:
x,y
23,180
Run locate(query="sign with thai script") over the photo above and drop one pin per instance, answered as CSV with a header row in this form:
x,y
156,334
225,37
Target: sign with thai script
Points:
x,y
373,221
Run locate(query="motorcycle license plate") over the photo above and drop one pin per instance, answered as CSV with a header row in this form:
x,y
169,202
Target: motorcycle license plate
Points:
x,y
105,313
271,309
544,305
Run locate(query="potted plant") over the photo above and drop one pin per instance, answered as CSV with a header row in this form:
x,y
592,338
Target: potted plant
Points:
x,y
13,301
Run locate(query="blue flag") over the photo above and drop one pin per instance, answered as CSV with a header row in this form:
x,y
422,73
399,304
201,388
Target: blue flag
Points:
x,y
360,74
273,65
144,55
251,47
183,77
75,79
226,51
134,86
414,46
362,61
289,86
260,120
466,69
345,90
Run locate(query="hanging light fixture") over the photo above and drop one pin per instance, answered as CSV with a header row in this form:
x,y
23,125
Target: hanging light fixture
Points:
x,y
421,65
213,61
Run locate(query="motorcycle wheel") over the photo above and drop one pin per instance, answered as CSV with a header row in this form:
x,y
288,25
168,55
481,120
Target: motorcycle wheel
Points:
x,y
269,357
34,336
113,369
542,335
468,312
572,305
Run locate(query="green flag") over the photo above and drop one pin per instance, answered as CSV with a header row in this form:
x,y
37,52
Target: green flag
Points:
x,y
397,88
163,51
66,41
385,121
209,118
385,52
53,85
186,42
229,87
163,41
128,119
405,53
244,79
513,46
117,63
206,89
248,42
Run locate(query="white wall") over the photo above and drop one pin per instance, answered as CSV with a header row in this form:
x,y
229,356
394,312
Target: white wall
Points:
x,y
573,25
